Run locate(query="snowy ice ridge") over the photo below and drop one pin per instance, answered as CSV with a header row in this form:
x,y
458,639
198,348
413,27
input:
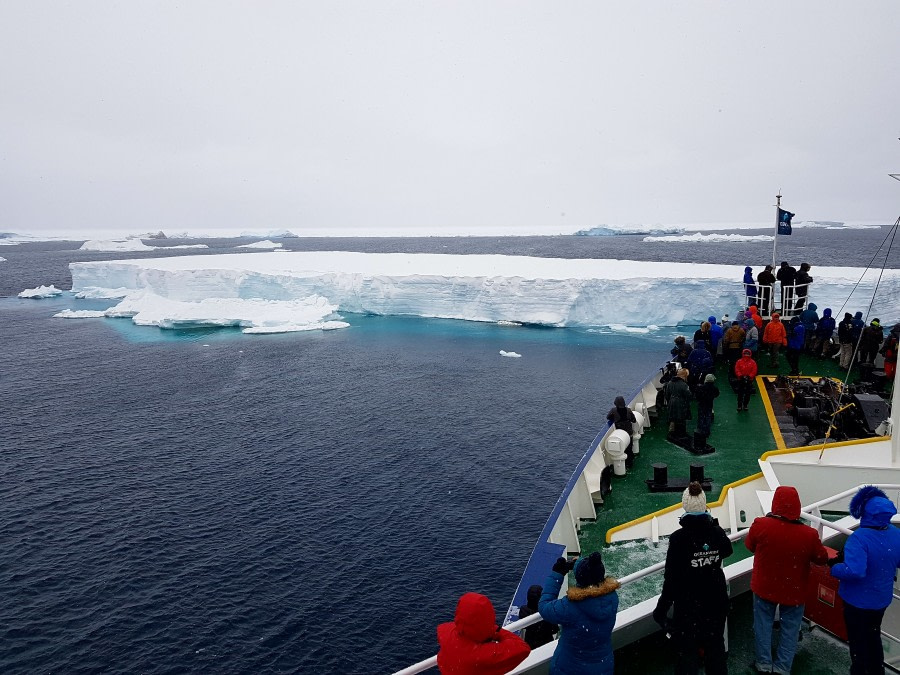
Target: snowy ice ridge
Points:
x,y
267,292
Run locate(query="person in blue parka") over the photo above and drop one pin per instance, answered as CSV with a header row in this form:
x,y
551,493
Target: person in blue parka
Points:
x,y
699,363
796,338
587,615
715,336
824,333
866,568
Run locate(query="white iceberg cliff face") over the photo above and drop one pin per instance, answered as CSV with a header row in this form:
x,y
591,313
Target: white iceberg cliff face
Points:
x,y
495,288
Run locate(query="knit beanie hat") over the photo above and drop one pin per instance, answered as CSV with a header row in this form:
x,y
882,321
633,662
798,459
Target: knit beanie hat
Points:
x,y
693,499
709,378
590,571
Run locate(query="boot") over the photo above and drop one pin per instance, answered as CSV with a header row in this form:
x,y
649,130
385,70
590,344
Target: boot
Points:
x,y
701,447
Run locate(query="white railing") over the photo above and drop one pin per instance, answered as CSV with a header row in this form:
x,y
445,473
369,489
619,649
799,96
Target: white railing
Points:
x,y
786,302
811,513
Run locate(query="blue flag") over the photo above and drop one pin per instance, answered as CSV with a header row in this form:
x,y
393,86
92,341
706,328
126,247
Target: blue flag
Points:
x,y
784,221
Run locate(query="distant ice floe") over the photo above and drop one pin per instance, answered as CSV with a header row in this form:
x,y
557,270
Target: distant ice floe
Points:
x,y
40,292
834,225
2,259
169,248
712,238
615,230
261,244
512,355
126,245
273,234
80,314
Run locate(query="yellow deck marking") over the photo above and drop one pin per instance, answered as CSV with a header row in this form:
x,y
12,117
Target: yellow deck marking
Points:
x,y
675,507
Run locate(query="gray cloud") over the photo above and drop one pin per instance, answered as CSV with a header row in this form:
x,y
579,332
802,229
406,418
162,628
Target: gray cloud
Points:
x,y
451,114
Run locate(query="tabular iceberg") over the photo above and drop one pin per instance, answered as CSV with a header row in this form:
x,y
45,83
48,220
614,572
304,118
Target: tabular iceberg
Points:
x,y
546,291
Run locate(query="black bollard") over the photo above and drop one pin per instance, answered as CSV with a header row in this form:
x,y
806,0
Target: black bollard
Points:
x,y
697,473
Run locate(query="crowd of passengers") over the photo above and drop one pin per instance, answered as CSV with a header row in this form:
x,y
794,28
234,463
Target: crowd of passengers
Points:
x,y
742,343
694,603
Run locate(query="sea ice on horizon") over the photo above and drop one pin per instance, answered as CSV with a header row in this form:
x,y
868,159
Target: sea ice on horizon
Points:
x,y
126,245
40,292
586,293
511,355
711,238
261,244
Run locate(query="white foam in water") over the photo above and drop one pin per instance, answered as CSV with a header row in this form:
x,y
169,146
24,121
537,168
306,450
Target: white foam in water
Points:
x,y
628,295
512,355
40,292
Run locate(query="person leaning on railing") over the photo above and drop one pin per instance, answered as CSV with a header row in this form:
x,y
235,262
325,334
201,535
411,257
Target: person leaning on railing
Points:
x,y
866,568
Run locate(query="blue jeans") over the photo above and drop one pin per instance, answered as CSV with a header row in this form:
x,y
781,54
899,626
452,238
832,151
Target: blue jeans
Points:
x,y
763,619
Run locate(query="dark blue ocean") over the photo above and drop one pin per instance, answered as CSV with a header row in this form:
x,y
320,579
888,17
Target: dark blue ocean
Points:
x,y
211,502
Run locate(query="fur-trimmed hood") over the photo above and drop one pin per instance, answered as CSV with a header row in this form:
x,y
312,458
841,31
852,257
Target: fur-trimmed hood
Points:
x,y
577,593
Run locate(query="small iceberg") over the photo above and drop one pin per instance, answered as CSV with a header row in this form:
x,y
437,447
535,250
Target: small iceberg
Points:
x,y
40,292
512,355
80,314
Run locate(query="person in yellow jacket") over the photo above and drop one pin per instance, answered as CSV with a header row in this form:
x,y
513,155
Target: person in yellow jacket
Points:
x,y
775,337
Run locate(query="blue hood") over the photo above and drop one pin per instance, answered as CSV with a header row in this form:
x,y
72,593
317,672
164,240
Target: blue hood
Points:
x,y
858,315
813,306
877,512
826,311
712,320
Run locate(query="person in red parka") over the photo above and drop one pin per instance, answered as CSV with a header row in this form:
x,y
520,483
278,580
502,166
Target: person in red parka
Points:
x,y
775,337
783,548
745,371
473,643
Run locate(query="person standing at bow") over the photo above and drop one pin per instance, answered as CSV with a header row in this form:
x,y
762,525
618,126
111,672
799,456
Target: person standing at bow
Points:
x,y
784,549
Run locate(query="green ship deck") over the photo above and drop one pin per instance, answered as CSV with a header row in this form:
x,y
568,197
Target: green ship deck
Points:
x,y
740,438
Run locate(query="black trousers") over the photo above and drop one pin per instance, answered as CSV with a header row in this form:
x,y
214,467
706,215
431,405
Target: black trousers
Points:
x,y
711,639
864,636
744,389
793,358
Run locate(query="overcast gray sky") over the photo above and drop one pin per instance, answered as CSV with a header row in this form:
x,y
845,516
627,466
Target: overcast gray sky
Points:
x,y
418,114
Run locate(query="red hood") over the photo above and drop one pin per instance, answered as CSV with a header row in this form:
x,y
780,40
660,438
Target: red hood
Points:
x,y
475,617
786,502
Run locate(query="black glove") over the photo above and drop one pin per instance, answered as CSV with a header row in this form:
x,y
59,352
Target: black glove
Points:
x,y
839,558
661,617
563,566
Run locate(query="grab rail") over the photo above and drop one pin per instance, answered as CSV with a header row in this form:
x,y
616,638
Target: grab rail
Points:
x,y
820,522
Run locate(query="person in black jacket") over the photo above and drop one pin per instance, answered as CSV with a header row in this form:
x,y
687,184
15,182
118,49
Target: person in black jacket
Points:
x,y
803,282
542,632
846,341
695,584
787,276
705,395
622,418
765,283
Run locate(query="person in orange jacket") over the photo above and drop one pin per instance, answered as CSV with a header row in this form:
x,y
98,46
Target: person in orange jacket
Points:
x,y
754,314
473,643
745,371
775,337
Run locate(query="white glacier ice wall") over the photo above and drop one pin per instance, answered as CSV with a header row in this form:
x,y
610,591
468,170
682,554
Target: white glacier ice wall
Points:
x,y
553,292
